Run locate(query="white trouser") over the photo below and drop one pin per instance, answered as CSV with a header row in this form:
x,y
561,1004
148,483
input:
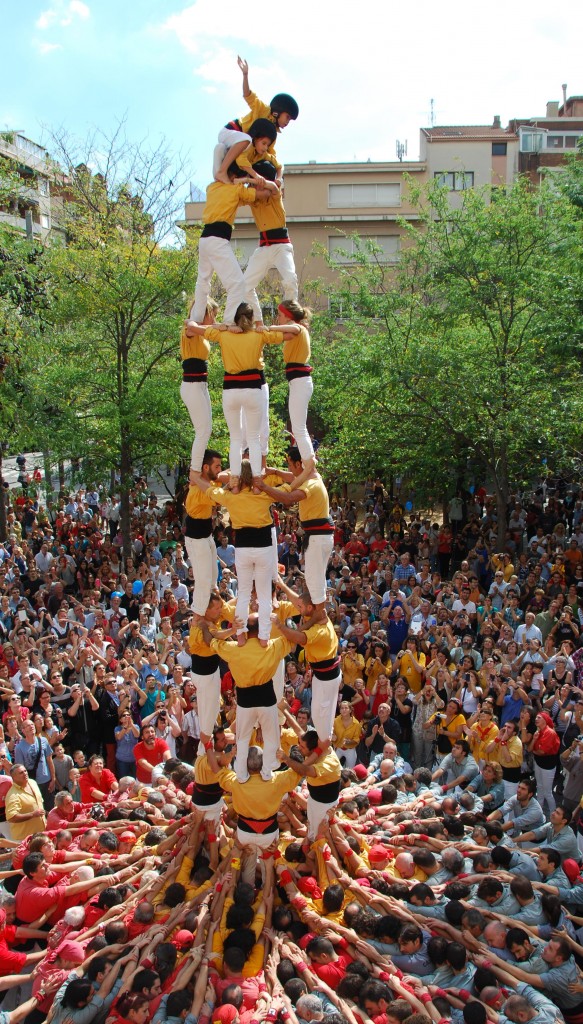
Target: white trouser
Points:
x,y
227,137
510,789
274,554
279,680
254,564
202,555
212,812
278,257
246,721
318,554
300,391
216,254
264,428
195,395
252,842
348,755
544,787
234,401
208,692
324,704
316,814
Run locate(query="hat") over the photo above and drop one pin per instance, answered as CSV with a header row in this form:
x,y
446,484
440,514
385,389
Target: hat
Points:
x,y
183,938
571,869
375,795
224,1014
378,852
128,837
547,718
309,887
361,772
117,593
69,950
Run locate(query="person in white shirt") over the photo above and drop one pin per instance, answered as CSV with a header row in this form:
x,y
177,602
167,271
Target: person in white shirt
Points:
x,y
528,630
43,559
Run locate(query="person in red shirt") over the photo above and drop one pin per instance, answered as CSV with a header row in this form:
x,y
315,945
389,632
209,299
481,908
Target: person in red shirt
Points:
x,y
42,889
149,752
11,961
66,812
97,783
329,965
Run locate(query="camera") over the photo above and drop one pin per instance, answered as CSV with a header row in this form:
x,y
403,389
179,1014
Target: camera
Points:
x,y
440,718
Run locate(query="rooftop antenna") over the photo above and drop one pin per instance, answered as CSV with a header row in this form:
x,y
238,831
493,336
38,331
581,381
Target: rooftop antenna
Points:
x,y
401,148
432,113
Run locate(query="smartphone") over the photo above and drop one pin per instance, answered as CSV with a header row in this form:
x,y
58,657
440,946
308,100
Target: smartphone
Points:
x,y
22,615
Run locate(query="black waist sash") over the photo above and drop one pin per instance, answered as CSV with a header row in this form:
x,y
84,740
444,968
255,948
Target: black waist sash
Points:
x,y
218,229
206,794
253,537
325,794
326,669
244,379
261,696
204,665
194,370
259,826
198,529
273,236
295,370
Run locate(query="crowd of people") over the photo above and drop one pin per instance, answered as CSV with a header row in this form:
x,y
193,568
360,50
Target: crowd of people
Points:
x,y
416,859
289,760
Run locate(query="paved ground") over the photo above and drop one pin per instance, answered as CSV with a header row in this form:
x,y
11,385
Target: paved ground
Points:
x,y
10,471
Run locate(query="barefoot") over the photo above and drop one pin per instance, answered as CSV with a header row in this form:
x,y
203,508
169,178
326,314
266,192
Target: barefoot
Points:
x,y
263,465
223,176
263,643
257,485
234,485
241,639
310,464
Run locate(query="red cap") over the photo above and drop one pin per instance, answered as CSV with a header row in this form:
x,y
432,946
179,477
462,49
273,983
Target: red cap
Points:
x,y
183,938
128,837
375,795
309,887
378,852
571,869
224,1014
69,950
360,771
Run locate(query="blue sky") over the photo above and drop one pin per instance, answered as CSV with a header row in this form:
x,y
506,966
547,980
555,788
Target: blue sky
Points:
x,y
363,74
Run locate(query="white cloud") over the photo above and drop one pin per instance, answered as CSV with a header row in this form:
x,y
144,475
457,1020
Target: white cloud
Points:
x,y
63,13
44,48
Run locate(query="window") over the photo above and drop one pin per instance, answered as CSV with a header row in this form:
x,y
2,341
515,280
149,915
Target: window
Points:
x,y
43,186
555,142
342,249
531,141
45,221
571,141
243,247
455,181
364,195
499,148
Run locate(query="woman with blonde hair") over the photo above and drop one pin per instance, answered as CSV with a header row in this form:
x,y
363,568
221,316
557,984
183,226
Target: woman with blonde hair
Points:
x,y
346,735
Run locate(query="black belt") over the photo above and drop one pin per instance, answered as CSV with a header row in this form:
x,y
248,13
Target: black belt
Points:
x,y
295,370
218,229
204,795
259,826
261,696
325,794
273,237
316,528
326,669
204,664
244,379
194,370
253,537
198,529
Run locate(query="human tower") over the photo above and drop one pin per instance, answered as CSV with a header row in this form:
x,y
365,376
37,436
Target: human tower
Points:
x,y
248,172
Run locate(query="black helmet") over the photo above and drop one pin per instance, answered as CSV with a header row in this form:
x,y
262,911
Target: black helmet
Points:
x,y
263,129
283,103
266,169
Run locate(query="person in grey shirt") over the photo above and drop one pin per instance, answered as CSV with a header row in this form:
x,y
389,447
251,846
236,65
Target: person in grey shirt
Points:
x,y
522,811
528,1006
493,895
456,769
552,877
515,861
556,833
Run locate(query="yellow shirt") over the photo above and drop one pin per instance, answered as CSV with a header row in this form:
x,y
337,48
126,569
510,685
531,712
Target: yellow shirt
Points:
x,y
244,508
256,796
203,773
21,800
243,351
508,570
284,611
327,768
374,670
196,642
269,214
287,740
411,673
347,735
508,755
198,504
223,201
316,504
479,740
296,349
352,667
322,641
250,156
252,665
193,348
257,109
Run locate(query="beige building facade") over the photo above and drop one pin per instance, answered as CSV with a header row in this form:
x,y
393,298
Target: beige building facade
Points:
x,y
34,211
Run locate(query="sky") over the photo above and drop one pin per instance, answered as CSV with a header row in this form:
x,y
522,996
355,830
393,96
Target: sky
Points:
x,y
363,74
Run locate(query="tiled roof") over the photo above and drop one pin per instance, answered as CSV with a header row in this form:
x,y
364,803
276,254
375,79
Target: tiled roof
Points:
x,y
468,131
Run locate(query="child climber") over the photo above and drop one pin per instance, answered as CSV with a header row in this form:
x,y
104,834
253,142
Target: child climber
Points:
x,y
234,138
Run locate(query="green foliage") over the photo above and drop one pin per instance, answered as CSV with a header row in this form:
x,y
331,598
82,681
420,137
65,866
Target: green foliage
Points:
x,y
465,358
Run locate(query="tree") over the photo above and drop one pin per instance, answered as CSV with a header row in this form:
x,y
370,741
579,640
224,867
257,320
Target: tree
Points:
x,y
109,364
465,357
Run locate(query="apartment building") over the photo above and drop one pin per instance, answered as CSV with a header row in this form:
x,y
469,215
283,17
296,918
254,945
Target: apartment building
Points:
x,y
327,204
33,211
